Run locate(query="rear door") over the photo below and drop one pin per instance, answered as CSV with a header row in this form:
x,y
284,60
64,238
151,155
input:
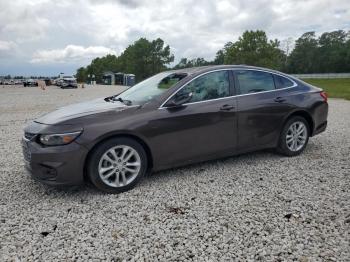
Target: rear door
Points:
x,y
205,126
261,109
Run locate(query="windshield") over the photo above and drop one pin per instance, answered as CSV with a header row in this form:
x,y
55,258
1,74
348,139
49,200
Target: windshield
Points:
x,y
151,87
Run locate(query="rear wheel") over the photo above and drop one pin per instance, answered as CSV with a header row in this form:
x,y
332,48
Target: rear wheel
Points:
x,y
294,136
117,165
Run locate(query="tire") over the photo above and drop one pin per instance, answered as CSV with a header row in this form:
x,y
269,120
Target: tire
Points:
x,y
112,179
296,143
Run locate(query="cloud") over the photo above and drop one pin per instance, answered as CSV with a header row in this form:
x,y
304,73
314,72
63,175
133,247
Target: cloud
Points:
x,y
193,29
22,21
128,3
7,45
54,32
7,49
70,54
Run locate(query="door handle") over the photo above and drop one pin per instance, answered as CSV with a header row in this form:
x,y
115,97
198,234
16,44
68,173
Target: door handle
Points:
x,y
227,107
280,99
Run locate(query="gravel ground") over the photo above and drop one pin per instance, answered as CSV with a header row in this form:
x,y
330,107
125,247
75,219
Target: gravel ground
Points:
x,y
258,206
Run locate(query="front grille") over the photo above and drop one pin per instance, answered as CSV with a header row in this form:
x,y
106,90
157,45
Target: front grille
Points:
x,y
29,136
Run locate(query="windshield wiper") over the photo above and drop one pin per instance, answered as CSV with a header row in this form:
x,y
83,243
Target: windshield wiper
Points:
x,y
124,101
114,98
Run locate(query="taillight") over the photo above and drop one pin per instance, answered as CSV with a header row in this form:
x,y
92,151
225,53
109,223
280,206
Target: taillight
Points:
x,y
324,96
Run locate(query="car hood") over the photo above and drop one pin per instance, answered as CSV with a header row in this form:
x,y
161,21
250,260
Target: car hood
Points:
x,y
76,111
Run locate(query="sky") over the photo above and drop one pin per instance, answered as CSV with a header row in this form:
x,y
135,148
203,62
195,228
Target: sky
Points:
x,y
42,37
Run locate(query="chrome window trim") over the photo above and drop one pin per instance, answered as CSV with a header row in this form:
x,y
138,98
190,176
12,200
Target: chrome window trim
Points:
x,y
294,83
226,69
209,100
273,73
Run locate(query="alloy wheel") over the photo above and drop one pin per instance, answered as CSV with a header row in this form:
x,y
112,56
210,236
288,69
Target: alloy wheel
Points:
x,y
296,136
119,166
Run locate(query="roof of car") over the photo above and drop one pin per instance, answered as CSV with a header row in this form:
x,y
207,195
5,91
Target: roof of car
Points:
x,y
202,69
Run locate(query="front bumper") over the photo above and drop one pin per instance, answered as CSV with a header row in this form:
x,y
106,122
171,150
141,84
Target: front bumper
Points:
x,y
74,85
56,165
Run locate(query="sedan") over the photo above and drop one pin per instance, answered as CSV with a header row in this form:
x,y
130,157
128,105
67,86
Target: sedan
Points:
x,y
173,119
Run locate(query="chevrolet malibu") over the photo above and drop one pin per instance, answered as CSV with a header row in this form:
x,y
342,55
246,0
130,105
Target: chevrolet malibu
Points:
x,y
172,119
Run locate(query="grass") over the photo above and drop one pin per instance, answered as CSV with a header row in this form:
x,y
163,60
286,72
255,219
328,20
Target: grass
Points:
x,y
335,87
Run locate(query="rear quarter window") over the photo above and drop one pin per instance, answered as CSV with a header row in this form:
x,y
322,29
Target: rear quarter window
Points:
x,y
282,82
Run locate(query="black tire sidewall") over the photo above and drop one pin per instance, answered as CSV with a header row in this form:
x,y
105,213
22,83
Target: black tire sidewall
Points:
x,y
93,162
282,147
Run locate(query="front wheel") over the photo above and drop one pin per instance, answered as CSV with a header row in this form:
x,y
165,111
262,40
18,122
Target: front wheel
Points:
x,y
117,165
294,137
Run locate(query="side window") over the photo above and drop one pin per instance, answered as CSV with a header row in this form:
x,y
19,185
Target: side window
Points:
x,y
209,86
251,81
282,82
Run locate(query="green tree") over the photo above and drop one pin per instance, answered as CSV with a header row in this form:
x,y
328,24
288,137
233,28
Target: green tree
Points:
x,y
81,75
253,48
143,58
160,55
332,52
304,59
186,63
219,57
182,64
328,53
347,53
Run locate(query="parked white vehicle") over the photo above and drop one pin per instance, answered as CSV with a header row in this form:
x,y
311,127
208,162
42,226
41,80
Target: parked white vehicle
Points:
x,y
69,82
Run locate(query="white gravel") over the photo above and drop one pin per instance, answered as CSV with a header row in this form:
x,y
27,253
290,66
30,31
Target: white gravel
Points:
x,y
258,206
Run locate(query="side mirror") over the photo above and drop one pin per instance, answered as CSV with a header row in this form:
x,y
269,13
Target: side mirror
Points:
x,y
179,99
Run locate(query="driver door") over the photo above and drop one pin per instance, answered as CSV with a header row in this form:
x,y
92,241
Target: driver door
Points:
x,y
202,128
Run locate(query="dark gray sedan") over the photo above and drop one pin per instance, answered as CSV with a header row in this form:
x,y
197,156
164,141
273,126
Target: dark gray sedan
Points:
x,y
172,119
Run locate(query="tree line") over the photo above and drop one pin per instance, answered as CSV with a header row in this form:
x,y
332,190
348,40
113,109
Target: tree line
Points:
x,y
328,53
143,58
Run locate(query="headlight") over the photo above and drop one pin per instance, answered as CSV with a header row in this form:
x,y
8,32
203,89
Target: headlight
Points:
x,y
58,139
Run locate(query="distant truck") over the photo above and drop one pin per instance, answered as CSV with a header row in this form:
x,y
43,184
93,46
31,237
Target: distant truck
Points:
x,y
30,82
57,81
68,82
